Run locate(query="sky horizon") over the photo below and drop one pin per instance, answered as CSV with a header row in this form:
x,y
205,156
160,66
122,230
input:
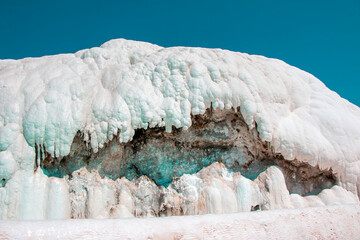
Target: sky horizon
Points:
x,y
319,37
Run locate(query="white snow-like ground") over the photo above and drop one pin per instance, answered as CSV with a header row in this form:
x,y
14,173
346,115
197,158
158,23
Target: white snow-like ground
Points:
x,y
335,222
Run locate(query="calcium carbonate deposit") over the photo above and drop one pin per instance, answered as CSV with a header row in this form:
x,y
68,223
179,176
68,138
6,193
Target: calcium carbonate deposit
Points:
x,y
131,129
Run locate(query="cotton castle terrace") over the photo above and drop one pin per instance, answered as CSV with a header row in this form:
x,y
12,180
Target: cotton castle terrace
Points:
x,y
132,129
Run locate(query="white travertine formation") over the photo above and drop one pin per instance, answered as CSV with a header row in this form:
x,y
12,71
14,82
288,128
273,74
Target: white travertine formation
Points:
x,y
124,85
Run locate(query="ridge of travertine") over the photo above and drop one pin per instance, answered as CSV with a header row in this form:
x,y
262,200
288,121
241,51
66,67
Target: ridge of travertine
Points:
x,y
125,85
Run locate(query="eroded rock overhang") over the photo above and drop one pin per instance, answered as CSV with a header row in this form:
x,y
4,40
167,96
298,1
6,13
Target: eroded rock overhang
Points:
x,y
216,136
218,165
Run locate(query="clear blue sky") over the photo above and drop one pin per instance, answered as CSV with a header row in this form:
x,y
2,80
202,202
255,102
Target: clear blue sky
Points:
x,y
321,37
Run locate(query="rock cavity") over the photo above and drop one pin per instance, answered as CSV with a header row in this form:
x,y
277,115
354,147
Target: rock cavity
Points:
x,y
216,136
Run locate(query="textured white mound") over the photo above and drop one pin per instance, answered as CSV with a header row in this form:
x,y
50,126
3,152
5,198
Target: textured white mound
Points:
x,y
124,85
